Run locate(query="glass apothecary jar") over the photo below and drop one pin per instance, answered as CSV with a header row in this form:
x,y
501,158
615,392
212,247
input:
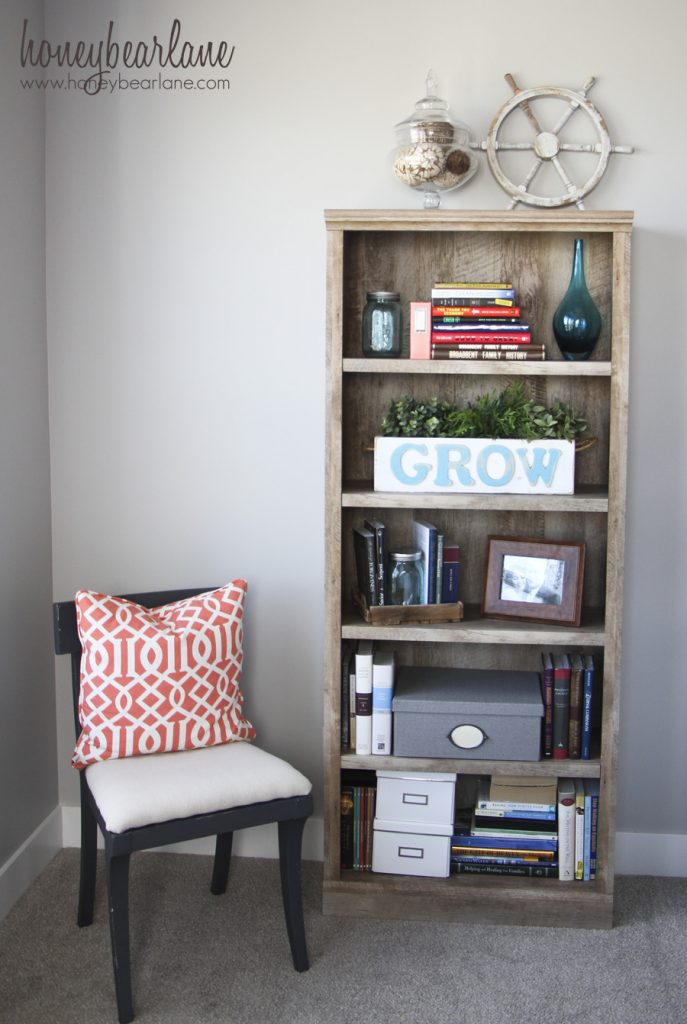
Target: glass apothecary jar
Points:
x,y
405,576
433,151
382,325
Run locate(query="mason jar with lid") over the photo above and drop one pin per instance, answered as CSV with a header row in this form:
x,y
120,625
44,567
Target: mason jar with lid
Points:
x,y
405,574
382,325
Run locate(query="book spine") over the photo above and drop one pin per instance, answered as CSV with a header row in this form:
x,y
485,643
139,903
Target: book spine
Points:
x,y
587,697
345,699
550,843
363,698
575,710
382,694
439,568
347,827
525,870
420,329
594,835
378,530
521,814
425,539
566,830
547,697
364,548
490,356
451,314
450,574
471,292
561,706
351,705
579,830
513,345
586,854
483,331
473,285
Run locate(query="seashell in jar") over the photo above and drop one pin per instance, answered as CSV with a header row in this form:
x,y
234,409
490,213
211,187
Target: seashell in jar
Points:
x,y
419,163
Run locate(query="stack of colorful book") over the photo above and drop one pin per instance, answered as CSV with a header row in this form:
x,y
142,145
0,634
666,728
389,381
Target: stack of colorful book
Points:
x,y
513,829
480,320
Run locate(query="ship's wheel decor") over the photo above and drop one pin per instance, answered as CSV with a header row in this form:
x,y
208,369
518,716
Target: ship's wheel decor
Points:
x,y
550,151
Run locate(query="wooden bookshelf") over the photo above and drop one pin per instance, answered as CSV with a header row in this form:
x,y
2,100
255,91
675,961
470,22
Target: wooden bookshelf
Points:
x,y
407,251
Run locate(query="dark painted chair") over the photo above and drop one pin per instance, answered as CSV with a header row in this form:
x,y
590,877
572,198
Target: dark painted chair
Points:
x,y
286,800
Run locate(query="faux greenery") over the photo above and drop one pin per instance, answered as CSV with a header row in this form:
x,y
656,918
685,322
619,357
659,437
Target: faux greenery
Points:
x,y
508,414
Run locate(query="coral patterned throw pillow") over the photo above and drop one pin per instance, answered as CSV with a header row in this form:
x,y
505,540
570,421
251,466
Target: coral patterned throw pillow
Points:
x,y
160,679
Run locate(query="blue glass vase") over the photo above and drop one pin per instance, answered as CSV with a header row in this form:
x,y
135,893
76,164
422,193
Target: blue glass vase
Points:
x,y
577,321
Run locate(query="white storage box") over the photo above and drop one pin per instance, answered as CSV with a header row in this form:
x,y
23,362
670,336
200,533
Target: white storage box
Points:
x,y
418,797
426,852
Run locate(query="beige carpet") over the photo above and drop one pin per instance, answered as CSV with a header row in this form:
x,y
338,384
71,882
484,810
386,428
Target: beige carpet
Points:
x,y
198,958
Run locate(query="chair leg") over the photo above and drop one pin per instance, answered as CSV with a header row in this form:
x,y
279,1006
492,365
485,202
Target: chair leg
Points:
x,y
290,842
89,852
220,868
118,902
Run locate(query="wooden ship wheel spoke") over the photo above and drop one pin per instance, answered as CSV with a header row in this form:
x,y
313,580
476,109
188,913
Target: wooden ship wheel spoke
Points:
x,y
547,146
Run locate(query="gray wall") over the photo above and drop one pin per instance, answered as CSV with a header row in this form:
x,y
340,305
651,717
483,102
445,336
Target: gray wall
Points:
x,y
28,782
185,274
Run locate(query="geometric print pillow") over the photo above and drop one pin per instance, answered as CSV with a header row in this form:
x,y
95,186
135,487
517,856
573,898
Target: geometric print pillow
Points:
x,y
160,679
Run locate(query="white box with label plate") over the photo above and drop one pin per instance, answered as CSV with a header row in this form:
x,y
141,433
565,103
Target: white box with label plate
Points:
x,y
414,823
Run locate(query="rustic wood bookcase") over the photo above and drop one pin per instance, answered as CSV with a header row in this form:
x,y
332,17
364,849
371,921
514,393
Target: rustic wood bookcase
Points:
x,y
407,251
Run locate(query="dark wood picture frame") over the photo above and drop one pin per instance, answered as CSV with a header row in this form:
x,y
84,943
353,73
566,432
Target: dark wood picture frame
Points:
x,y
534,580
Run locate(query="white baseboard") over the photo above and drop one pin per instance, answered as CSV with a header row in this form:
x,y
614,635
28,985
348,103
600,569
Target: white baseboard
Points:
x,y
26,863
644,853
248,842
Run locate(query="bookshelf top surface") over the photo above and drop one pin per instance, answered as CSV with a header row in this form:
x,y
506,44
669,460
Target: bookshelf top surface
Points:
x,y
480,220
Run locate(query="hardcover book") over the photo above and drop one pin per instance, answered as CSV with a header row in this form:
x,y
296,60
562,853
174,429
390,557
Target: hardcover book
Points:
x,y
561,705
383,666
587,705
575,710
363,697
364,549
566,830
547,696
425,540
378,529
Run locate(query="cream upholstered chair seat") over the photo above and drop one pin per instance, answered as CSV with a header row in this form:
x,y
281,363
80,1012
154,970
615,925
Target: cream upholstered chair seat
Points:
x,y
134,791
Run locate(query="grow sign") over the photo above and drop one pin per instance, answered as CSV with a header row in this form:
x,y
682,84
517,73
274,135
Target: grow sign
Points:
x,y
473,466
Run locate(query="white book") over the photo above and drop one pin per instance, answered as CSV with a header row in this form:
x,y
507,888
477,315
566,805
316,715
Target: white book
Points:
x,y
566,830
383,668
425,541
579,830
363,697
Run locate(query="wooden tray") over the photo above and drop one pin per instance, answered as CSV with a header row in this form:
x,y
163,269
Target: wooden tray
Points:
x,y
398,614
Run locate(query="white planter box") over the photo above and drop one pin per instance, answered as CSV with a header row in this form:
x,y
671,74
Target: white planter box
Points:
x,y
424,465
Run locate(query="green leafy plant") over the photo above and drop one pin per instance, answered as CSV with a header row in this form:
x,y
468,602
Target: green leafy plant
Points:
x,y
511,413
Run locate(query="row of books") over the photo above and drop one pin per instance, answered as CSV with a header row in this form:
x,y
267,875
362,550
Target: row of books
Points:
x,y
367,689
569,690
520,826
479,320
357,816
534,827
440,563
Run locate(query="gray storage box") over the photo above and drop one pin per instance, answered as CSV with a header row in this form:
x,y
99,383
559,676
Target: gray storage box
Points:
x,y
479,714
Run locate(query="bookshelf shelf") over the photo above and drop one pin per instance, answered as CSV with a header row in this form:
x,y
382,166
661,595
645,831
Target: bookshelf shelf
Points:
x,y
548,368
406,251
587,499
571,769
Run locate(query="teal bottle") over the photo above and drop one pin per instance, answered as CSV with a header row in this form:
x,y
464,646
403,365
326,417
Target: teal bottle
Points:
x,y
577,321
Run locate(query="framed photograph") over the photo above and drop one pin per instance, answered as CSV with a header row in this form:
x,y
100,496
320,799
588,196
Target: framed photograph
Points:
x,y
533,579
